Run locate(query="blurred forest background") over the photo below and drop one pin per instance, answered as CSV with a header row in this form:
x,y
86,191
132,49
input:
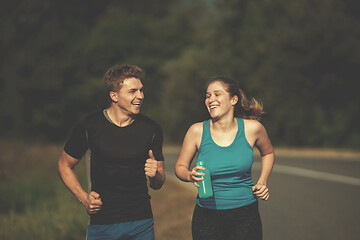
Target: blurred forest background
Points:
x,y
301,58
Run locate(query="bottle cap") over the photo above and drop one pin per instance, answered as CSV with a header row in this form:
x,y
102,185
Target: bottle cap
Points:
x,y
200,163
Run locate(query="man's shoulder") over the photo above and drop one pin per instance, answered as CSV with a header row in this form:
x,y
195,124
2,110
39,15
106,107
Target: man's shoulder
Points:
x,y
94,116
92,119
147,120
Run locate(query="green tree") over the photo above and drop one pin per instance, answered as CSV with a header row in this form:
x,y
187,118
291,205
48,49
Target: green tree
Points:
x,y
38,46
297,57
300,58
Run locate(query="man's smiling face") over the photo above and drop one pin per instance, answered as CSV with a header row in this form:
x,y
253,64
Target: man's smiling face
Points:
x,y
130,96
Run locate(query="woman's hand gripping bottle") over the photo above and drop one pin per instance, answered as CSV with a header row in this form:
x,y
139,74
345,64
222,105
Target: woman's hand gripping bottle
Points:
x,y
205,187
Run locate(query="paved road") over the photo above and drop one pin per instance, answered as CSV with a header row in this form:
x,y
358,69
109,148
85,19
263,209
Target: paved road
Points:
x,y
312,198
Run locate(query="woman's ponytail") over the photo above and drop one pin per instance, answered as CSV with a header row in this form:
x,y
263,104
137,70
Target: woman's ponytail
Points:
x,y
248,109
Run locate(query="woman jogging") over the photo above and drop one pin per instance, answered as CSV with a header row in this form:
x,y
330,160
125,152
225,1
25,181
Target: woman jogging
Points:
x,y
225,143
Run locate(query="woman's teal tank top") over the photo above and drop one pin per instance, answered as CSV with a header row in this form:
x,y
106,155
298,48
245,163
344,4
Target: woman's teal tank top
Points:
x,y
230,170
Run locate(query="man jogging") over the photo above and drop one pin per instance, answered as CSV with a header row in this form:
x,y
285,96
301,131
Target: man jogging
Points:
x,y
126,155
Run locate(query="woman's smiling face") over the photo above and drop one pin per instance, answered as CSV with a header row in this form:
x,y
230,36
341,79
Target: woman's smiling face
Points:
x,y
218,101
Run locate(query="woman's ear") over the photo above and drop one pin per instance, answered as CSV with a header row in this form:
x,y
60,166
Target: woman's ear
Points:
x,y
234,100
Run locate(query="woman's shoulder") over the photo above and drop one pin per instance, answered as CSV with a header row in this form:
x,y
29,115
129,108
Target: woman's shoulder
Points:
x,y
194,134
253,125
196,128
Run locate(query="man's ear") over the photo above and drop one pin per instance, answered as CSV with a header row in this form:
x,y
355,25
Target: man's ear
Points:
x,y
113,96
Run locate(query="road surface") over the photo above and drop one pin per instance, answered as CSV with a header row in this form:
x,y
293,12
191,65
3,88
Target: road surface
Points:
x,y
312,197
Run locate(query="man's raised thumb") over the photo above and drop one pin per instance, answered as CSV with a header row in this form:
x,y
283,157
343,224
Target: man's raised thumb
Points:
x,y
151,155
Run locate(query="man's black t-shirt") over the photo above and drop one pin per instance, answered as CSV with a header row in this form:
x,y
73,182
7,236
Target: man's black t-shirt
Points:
x,y
117,160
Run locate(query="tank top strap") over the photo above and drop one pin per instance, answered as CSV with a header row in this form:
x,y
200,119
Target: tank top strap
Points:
x,y
241,131
206,135
240,122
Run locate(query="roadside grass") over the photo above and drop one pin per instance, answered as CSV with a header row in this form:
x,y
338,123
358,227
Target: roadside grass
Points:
x,y
35,204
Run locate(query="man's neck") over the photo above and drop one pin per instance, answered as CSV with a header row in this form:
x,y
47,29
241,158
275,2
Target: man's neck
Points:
x,y
119,118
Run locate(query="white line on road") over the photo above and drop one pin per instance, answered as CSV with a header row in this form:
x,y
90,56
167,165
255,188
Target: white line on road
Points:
x,y
302,172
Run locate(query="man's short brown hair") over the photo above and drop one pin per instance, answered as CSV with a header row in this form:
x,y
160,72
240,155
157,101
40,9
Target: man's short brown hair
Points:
x,y
115,76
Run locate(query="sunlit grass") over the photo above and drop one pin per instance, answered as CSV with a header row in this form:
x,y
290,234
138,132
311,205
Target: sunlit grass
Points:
x,y
34,204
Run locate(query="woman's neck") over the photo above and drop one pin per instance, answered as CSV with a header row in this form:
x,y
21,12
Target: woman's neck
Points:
x,y
224,123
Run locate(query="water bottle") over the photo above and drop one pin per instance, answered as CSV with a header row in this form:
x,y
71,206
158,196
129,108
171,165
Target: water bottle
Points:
x,y
205,188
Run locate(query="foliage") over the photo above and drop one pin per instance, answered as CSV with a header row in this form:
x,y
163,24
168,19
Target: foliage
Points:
x,y
300,58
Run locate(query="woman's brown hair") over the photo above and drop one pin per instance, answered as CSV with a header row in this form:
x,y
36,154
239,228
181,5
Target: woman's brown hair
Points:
x,y
244,108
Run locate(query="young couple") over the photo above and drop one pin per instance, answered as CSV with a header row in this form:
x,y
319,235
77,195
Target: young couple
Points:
x,y
126,157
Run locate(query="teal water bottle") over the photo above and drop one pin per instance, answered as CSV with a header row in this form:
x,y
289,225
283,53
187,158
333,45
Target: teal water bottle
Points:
x,y
205,189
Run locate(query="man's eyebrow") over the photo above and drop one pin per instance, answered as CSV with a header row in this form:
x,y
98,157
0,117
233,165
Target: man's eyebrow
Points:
x,y
135,88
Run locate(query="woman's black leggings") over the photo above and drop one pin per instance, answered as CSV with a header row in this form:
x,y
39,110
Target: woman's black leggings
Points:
x,y
242,223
